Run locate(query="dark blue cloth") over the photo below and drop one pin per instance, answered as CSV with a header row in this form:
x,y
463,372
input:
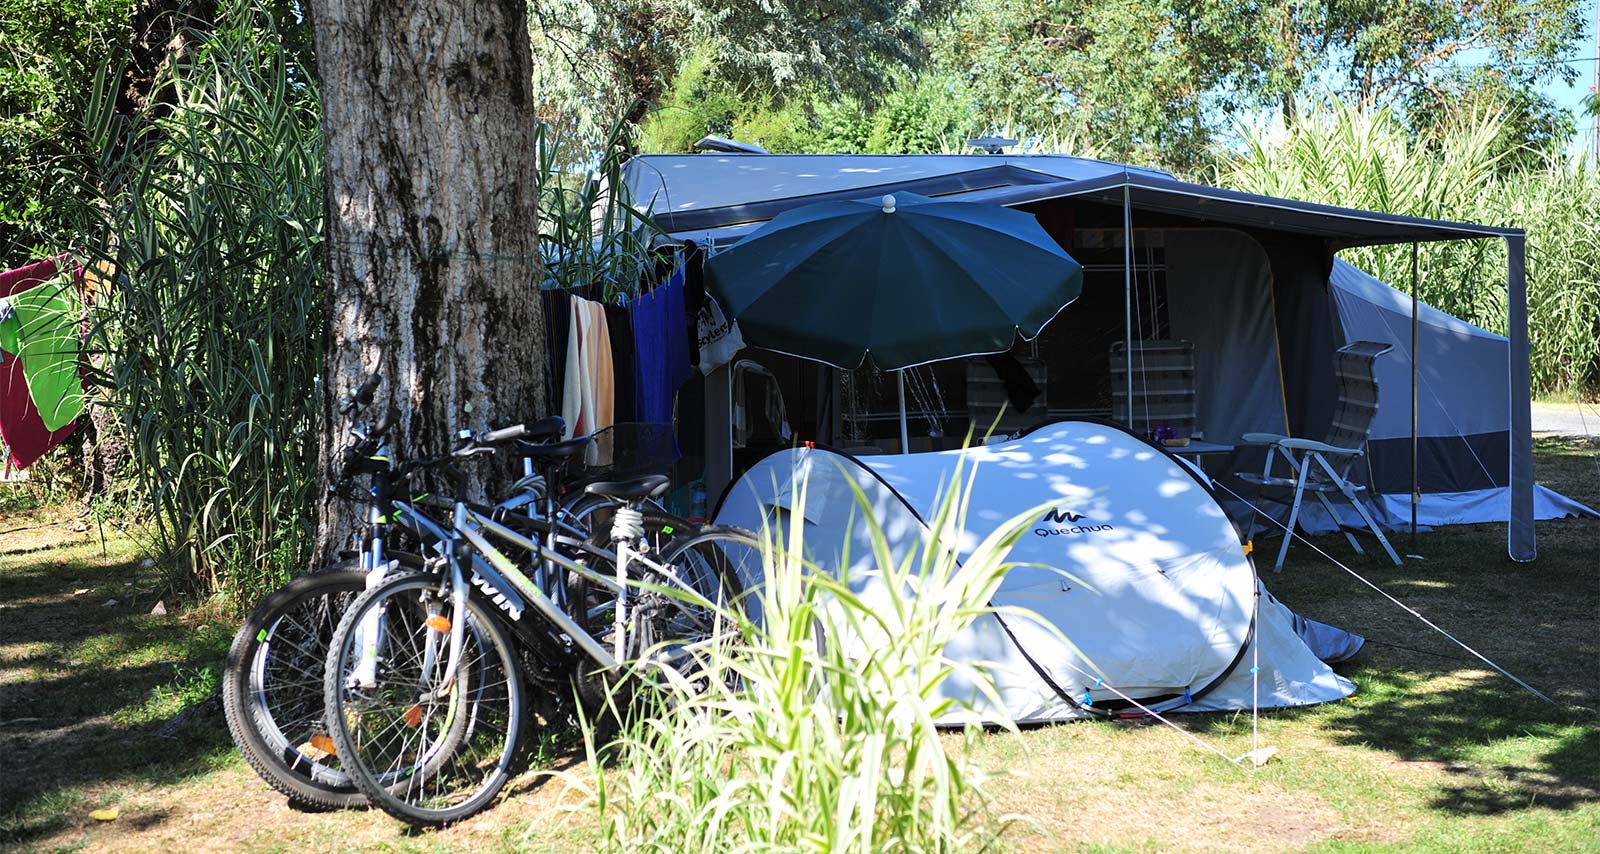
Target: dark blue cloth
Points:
x,y
661,349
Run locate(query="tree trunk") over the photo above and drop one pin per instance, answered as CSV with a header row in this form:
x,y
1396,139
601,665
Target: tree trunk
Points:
x,y
433,268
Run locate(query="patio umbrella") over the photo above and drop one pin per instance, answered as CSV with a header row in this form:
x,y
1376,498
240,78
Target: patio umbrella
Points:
x,y
905,279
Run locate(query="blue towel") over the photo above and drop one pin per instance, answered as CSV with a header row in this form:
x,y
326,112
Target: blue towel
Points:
x,y
661,349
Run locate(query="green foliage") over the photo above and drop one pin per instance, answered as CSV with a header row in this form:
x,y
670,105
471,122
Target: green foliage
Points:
x,y
1146,82
1530,126
699,103
598,61
921,116
1339,155
52,48
813,729
212,216
1377,52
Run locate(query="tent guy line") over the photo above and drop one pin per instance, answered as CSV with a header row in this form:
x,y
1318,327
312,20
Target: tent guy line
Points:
x,y
1100,683
1403,606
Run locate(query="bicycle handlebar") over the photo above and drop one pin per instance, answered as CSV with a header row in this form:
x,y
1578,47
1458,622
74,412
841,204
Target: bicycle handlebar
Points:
x,y
504,434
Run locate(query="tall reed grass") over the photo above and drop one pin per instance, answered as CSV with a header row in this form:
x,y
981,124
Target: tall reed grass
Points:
x,y
211,214
590,232
210,208
1336,154
817,731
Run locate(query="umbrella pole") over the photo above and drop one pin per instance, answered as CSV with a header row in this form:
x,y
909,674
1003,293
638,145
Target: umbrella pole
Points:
x,y
900,386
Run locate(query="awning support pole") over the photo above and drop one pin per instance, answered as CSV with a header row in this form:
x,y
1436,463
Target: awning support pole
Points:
x,y
1416,491
900,386
1127,298
1521,540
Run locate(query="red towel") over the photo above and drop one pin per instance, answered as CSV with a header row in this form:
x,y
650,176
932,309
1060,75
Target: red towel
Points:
x,y
20,425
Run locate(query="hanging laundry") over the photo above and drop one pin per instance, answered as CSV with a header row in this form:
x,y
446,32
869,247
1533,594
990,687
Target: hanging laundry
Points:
x,y
21,426
557,316
759,415
40,328
588,400
661,346
694,295
1020,388
619,326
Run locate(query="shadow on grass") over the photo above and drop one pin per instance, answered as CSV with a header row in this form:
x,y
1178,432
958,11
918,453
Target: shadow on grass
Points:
x,y
1422,699
90,689
1503,749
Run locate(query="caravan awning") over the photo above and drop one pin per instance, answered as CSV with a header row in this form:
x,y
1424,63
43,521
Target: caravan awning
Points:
x,y
1343,227
1010,185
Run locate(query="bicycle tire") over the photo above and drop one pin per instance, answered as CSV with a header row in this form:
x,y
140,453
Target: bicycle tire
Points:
x,y
276,723
488,695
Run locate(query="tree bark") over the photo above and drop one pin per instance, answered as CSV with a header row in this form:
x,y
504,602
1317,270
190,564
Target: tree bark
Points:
x,y
432,227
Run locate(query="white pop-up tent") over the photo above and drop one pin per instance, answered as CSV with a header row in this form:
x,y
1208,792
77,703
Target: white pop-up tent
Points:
x,y
1131,558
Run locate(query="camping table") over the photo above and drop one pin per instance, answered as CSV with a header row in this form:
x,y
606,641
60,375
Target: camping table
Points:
x,y
1196,449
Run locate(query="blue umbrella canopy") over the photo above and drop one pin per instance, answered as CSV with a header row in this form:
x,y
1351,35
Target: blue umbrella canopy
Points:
x,y
906,279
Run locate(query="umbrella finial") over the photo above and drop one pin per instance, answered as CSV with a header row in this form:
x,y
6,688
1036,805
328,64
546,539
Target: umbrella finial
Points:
x,y
888,204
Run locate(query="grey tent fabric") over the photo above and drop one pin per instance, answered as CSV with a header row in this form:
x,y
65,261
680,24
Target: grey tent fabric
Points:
x,y
1238,388
1463,410
1343,227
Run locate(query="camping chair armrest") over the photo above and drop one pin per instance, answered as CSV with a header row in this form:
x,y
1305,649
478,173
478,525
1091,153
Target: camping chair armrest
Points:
x,y
1319,447
1263,438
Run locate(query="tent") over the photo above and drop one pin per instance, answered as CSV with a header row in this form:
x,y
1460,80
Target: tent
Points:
x,y
1247,279
1131,558
1463,412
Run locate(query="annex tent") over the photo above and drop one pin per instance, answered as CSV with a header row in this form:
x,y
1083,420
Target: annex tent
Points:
x,y
1130,557
1248,279
1463,411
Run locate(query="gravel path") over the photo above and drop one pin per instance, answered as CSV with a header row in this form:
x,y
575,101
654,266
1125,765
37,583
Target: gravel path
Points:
x,y
1567,419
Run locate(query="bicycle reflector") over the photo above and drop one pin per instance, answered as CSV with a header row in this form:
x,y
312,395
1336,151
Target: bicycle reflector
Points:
x,y
438,622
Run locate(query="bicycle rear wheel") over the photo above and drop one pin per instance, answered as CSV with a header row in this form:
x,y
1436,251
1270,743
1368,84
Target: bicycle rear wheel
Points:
x,y
419,756
272,688
701,582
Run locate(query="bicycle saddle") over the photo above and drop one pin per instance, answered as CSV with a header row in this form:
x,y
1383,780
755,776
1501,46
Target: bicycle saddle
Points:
x,y
649,486
554,451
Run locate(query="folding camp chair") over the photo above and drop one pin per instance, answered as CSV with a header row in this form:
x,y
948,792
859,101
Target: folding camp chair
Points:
x,y
1323,468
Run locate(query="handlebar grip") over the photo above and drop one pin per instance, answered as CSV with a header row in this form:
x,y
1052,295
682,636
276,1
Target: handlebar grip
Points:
x,y
364,394
504,434
390,416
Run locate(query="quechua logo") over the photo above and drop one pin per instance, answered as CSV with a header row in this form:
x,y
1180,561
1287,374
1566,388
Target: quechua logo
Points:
x,y
1064,523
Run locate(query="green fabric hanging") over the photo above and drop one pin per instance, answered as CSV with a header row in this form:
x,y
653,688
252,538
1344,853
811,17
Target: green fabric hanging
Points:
x,y
42,331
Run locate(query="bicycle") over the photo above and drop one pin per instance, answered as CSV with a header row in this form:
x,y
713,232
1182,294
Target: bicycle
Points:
x,y
423,683
272,683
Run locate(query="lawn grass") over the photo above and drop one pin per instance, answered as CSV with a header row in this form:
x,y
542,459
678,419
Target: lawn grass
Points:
x,y
1435,753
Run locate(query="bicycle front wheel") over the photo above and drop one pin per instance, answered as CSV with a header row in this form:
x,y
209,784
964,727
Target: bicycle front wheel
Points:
x,y
420,751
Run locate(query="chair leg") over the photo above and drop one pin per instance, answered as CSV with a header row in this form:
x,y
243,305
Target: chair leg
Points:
x,y
1255,504
1294,512
1333,514
1355,501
